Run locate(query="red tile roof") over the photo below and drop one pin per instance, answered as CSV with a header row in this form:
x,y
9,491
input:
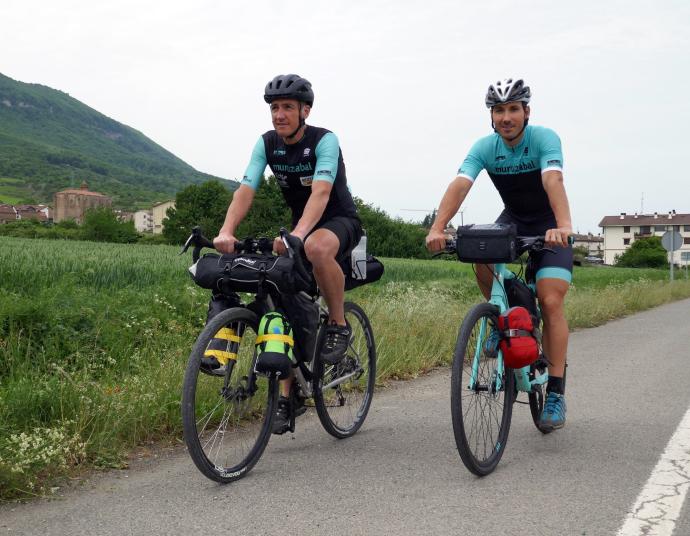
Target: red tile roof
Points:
x,y
80,192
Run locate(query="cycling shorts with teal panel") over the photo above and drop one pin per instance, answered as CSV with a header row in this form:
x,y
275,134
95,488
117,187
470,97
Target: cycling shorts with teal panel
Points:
x,y
555,262
316,157
516,171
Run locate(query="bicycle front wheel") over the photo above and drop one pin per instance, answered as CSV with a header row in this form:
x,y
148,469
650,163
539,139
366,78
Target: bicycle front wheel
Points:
x,y
482,393
343,392
227,414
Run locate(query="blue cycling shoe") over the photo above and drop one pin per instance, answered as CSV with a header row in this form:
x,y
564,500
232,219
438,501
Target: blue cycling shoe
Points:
x,y
553,415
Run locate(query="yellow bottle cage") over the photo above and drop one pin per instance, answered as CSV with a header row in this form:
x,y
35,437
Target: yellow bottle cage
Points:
x,y
275,337
222,356
227,334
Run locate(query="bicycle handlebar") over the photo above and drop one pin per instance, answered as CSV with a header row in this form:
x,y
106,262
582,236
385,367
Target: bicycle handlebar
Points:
x,y
264,245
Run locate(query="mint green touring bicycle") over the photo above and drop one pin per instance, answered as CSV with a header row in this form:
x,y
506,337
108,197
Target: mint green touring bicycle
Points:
x,y
483,388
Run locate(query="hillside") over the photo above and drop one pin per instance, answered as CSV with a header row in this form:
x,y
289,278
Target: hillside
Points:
x,y
50,141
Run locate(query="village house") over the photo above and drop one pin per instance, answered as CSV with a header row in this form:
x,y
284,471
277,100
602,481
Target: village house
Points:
x,y
72,204
159,213
8,214
621,231
143,221
593,243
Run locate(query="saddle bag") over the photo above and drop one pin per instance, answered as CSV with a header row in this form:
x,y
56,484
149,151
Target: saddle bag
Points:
x,y
495,242
374,271
518,341
245,272
274,345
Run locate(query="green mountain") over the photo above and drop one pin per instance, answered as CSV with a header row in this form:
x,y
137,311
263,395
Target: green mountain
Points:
x,y
50,141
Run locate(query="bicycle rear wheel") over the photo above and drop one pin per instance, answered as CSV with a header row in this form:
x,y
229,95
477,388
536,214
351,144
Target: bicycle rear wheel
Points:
x,y
343,392
481,396
227,415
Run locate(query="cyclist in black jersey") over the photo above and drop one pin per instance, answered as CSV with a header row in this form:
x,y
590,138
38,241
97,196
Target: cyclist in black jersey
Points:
x,y
525,164
308,165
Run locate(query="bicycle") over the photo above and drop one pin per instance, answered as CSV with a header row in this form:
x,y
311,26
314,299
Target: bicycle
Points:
x,y
483,389
227,414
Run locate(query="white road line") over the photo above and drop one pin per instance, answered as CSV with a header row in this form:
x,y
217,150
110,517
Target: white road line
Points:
x,y
659,504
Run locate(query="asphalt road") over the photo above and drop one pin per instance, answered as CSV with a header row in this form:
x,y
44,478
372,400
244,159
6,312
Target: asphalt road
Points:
x,y
401,474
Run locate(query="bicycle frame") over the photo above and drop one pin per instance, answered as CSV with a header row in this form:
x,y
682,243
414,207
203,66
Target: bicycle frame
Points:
x,y
498,298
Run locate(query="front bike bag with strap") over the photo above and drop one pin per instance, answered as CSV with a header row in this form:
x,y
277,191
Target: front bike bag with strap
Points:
x,y
274,344
518,342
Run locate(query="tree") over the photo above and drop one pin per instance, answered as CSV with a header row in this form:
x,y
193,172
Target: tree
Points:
x,y
269,212
198,204
101,225
644,253
388,237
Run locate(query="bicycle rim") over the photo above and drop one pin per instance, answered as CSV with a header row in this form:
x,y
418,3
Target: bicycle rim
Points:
x,y
226,420
481,405
343,392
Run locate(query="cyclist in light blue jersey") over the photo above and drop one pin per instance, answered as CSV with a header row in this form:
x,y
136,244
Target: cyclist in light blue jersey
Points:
x,y
525,163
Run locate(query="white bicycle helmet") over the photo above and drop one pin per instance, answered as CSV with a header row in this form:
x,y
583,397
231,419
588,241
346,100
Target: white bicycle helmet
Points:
x,y
507,90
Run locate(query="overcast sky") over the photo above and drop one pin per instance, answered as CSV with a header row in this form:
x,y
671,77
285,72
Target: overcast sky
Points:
x,y
401,83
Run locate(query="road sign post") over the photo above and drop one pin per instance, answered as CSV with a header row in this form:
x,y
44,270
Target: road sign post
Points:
x,y
671,240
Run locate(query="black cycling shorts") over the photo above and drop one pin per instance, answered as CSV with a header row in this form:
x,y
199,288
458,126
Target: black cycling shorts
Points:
x,y
348,230
557,264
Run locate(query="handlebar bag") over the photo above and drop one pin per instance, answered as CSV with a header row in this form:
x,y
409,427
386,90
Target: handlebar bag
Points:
x,y
245,272
495,242
518,342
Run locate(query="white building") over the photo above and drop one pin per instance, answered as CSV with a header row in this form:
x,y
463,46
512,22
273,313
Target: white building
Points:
x,y
143,221
158,212
621,231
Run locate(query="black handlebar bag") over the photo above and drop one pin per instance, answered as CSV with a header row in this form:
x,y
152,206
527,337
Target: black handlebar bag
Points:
x,y
245,272
495,242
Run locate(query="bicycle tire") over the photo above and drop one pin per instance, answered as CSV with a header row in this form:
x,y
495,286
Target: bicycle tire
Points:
x,y
468,404
343,408
235,422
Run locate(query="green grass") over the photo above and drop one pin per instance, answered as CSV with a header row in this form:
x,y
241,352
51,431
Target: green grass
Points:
x,y
14,192
94,338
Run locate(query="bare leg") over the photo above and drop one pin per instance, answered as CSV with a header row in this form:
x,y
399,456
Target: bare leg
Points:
x,y
551,294
321,248
485,276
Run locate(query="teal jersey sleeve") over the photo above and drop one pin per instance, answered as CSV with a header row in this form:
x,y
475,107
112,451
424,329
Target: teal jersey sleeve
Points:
x,y
257,166
327,155
474,161
549,147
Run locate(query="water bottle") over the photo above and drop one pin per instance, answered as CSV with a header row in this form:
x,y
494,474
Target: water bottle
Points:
x,y
359,259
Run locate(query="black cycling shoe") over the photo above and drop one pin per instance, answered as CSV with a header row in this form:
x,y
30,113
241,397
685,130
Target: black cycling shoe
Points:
x,y
210,365
335,346
281,422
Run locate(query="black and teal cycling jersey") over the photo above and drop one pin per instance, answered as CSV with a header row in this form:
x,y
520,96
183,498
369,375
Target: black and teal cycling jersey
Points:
x,y
516,171
316,157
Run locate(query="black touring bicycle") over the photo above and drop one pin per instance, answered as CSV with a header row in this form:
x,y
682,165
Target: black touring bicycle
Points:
x,y
228,410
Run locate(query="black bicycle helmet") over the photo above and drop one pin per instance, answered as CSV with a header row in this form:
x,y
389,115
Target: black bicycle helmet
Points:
x,y
508,90
289,86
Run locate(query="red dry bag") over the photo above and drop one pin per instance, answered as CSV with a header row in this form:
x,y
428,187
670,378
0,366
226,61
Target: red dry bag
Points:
x,y
518,343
